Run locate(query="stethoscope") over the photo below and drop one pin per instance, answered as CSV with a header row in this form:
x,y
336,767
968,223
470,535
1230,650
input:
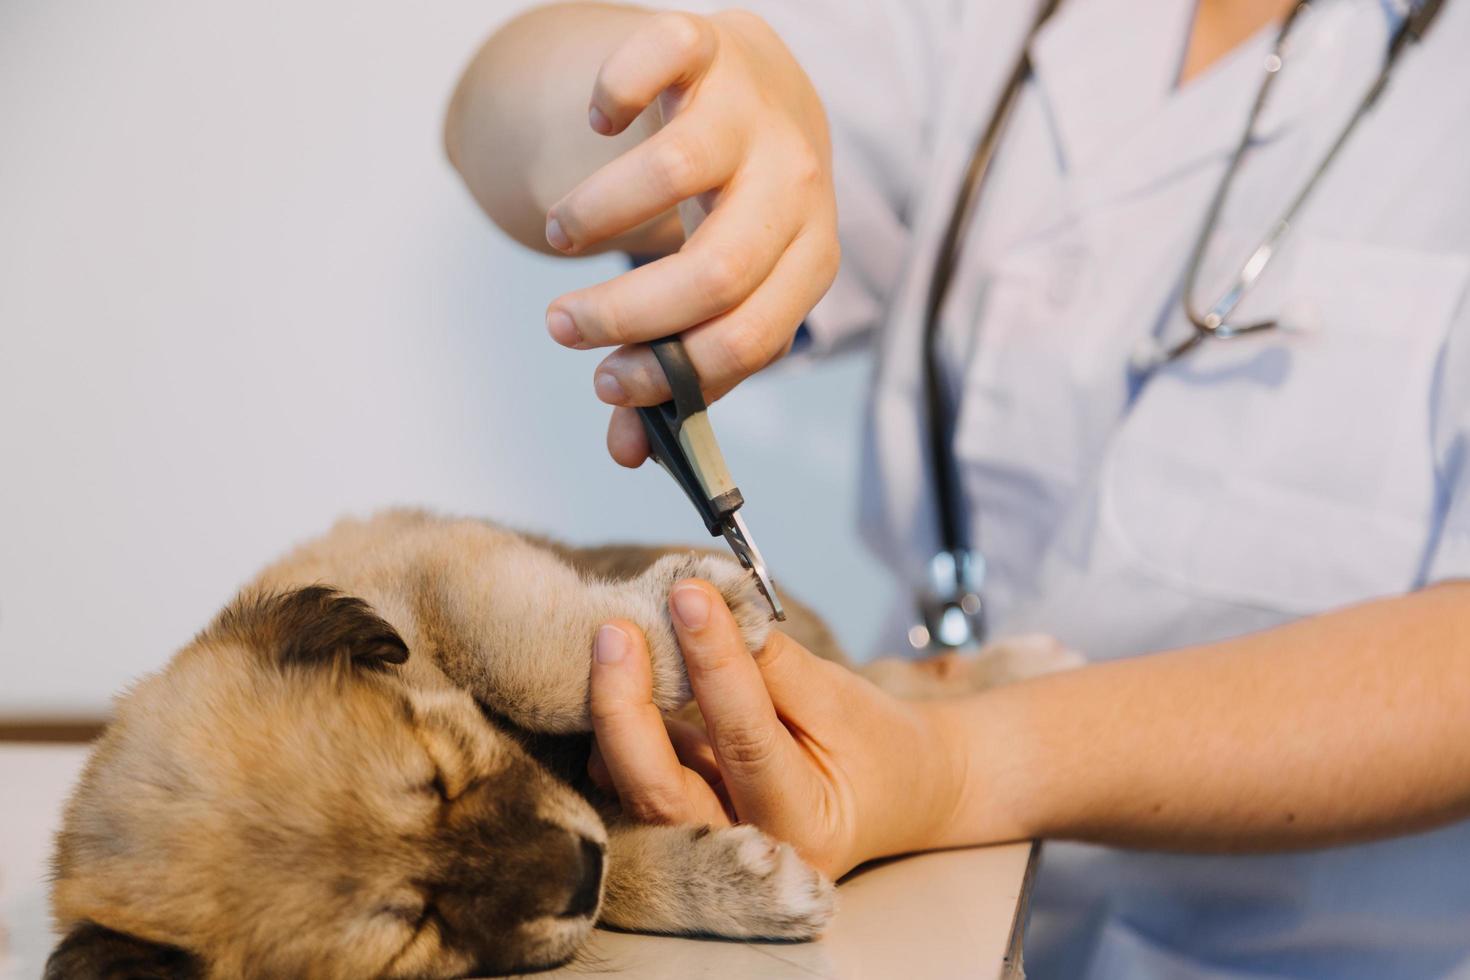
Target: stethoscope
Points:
x,y
952,612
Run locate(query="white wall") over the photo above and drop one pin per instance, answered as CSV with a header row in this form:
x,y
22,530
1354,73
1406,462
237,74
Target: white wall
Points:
x,y
242,293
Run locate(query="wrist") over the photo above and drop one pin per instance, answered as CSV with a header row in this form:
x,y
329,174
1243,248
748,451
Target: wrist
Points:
x,y
984,744
951,756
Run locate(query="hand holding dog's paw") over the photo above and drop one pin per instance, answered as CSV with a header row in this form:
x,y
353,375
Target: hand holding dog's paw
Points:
x,y
777,748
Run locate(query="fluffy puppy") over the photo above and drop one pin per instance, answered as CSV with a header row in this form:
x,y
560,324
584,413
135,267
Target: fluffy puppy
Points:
x,y
372,764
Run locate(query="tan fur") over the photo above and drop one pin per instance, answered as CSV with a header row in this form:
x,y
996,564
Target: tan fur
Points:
x,y
290,796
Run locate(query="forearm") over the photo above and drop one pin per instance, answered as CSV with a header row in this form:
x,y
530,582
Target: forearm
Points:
x,y
1346,726
516,128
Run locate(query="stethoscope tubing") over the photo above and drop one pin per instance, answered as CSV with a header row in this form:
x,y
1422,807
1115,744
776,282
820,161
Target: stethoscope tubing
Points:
x,y
940,605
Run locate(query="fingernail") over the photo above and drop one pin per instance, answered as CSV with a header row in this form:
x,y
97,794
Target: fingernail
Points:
x,y
609,388
611,645
598,121
559,324
691,605
555,237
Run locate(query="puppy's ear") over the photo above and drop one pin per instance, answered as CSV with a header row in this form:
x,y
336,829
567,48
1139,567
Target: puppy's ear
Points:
x,y
314,625
320,624
92,952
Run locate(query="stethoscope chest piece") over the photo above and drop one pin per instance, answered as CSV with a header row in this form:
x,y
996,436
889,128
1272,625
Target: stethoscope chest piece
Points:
x,y
952,611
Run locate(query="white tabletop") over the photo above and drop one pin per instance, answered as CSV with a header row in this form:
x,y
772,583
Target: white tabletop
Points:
x,y
938,915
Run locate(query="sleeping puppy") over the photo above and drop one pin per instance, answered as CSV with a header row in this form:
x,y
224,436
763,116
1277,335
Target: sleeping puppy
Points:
x,y
372,764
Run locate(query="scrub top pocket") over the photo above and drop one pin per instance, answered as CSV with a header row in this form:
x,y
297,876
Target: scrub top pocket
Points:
x,y
1293,470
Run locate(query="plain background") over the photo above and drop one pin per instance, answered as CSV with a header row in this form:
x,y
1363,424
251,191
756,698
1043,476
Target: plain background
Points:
x,y
242,293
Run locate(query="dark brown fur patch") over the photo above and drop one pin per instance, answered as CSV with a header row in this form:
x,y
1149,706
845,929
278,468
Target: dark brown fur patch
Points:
x,y
313,625
96,953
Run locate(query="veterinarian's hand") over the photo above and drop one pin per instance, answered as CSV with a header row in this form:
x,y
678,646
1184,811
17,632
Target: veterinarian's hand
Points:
x,y
803,748
748,136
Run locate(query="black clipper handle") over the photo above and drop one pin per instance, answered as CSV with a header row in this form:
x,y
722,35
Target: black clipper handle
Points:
x,y
681,441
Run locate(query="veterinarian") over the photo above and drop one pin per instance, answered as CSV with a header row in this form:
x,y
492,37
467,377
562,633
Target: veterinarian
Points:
x,y
1173,359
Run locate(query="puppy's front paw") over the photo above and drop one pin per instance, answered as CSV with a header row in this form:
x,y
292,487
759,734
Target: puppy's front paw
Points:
x,y
774,894
736,584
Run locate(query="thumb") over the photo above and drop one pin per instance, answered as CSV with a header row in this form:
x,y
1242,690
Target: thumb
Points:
x,y
752,747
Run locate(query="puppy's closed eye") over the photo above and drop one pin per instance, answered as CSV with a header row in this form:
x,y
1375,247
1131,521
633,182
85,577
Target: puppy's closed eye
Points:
x,y
456,760
452,771
425,932
411,915
434,786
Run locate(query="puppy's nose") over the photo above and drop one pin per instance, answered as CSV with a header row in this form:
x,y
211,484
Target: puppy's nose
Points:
x,y
589,881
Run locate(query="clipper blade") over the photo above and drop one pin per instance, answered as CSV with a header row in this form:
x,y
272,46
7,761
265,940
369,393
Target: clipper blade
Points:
x,y
738,535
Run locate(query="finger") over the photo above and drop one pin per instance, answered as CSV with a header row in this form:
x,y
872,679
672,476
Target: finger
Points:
x,y
687,157
754,751
691,745
627,443
634,745
597,770
729,348
671,49
731,253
